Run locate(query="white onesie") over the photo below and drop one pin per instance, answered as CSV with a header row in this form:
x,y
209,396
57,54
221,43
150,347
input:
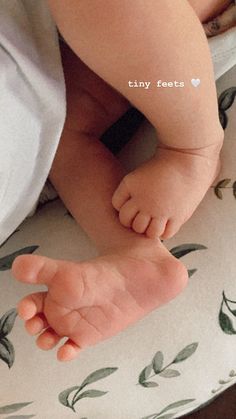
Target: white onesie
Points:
x,y
32,106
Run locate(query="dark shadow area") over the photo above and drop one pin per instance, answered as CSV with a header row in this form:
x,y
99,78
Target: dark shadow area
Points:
x,y
122,131
223,407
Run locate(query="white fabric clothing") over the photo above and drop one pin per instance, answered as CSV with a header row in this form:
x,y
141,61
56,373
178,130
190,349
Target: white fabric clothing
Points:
x,y
32,106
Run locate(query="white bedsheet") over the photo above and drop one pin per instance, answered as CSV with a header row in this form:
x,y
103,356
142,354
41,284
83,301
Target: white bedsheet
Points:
x,y
32,106
223,52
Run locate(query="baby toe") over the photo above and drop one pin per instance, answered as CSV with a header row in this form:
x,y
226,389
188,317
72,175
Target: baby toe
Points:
x,y
120,196
170,230
36,324
141,222
48,339
31,305
156,227
68,351
127,213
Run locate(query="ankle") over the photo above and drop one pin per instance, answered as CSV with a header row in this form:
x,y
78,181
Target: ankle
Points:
x,y
209,149
136,245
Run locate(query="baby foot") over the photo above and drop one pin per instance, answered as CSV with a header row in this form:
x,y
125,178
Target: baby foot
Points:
x,y
162,194
94,300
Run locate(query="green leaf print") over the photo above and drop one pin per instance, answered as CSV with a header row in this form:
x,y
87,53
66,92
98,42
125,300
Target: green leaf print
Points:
x,y
157,362
225,101
169,407
7,261
20,417
97,375
231,375
225,321
7,322
7,352
221,184
145,373
90,393
234,189
184,249
191,272
150,384
157,366
226,98
226,324
11,408
169,373
63,396
186,352
176,404
156,416
91,378
223,119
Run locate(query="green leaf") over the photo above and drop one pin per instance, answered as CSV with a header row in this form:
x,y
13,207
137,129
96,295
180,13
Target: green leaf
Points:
x,y
223,382
223,118
156,416
232,373
186,352
191,272
221,184
149,384
145,373
7,261
150,416
11,408
169,373
7,322
184,249
7,353
226,98
176,404
97,375
157,362
234,189
226,324
218,193
89,393
20,417
64,395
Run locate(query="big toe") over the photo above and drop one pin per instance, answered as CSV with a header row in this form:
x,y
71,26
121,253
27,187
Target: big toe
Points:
x,y
34,268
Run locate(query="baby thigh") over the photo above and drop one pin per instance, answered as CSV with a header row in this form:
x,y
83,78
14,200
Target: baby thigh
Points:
x,y
92,105
123,41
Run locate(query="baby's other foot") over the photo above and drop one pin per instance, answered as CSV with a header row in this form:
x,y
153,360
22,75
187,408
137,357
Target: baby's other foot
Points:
x,y
162,194
94,300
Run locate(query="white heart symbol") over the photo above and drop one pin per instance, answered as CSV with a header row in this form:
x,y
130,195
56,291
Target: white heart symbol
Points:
x,y
195,82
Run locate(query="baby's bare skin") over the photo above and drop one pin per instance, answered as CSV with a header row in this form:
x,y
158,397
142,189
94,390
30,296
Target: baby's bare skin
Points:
x,y
93,300
161,195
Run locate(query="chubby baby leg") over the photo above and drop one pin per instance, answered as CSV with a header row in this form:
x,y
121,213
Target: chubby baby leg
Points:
x,y
93,300
163,43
